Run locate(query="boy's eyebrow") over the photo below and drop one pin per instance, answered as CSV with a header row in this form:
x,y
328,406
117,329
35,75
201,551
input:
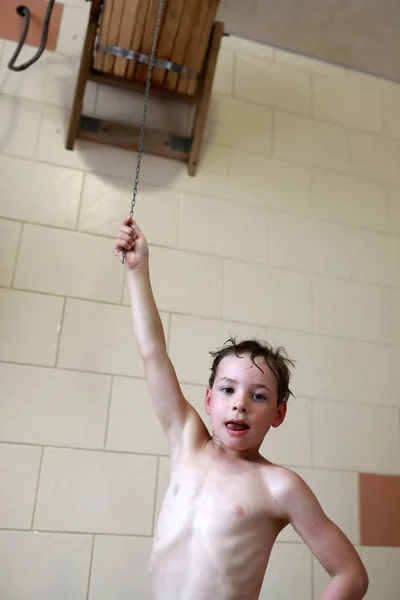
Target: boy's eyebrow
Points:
x,y
257,385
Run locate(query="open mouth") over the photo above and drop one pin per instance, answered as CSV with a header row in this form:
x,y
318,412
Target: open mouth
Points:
x,y
237,426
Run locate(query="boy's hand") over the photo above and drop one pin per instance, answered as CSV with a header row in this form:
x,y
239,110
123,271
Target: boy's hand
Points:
x,y
131,239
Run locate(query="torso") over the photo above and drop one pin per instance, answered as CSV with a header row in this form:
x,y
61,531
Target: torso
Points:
x,y
216,528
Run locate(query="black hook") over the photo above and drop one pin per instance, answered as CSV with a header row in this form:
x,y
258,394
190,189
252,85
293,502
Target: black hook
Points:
x,y
26,13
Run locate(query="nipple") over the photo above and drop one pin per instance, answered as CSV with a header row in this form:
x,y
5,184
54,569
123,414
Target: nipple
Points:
x,y
239,511
176,489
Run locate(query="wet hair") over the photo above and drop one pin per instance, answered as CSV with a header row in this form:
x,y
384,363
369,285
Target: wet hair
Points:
x,y
276,359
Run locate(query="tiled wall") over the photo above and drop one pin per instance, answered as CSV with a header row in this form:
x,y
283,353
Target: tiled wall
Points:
x,y
290,230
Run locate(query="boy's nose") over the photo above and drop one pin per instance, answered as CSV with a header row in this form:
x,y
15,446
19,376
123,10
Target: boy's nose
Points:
x,y
240,405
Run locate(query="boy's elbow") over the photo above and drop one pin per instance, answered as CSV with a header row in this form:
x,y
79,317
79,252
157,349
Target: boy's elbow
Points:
x,y
360,583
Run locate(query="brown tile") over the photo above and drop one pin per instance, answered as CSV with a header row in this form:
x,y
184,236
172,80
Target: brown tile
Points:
x,y
379,510
11,23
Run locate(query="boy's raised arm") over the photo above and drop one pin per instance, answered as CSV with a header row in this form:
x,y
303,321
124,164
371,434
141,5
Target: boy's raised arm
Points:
x,y
172,409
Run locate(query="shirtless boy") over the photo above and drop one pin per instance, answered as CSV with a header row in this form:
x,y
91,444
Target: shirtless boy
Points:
x,y
226,504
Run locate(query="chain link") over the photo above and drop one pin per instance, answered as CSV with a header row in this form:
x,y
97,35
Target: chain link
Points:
x,y
145,108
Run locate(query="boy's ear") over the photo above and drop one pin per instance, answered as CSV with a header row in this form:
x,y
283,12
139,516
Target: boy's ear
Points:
x,y
280,414
207,400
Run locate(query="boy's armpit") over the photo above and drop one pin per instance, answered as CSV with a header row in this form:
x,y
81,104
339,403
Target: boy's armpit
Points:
x,y
171,407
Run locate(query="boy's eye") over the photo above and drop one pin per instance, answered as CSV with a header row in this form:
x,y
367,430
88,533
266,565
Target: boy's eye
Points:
x,y
227,390
259,397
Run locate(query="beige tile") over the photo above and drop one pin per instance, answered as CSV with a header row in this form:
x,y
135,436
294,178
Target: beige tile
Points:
x,y
376,374
10,234
310,142
52,407
349,436
19,127
324,366
74,3
309,245
382,565
374,157
274,297
232,123
29,327
19,472
223,79
375,257
341,507
310,64
50,80
352,310
274,84
393,199
185,282
223,228
249,47
348,200
120,568
98,492
290,443
106,201
295,558
372,82
40,561
162,482
269,183
133,425
68,263
346,104
391,115
193,361
45,194
394,313
211,176
124,106
99,337
72,30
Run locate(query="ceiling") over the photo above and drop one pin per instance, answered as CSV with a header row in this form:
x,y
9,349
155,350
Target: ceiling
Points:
x,y
359,34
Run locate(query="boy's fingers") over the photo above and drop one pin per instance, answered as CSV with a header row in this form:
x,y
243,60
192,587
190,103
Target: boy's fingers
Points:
x,y
128,230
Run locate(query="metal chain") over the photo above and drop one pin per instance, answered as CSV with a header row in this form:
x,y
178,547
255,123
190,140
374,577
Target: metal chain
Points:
x,y
145,108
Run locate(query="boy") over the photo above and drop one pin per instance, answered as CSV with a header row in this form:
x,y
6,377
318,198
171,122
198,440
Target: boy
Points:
x,y
226,504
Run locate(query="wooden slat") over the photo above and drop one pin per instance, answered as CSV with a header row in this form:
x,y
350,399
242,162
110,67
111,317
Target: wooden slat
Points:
x,y
113,33
129,84
147,41
141,17
167,37
188,20
127,137
204,98
103,34
198,45
125,37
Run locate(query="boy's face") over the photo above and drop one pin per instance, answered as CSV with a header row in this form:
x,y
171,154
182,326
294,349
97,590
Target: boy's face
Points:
x,y
243,402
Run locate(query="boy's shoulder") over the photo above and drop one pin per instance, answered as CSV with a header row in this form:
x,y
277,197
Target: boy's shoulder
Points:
x,y
281,481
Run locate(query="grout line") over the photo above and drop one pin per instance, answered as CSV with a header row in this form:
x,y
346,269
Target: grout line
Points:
x,y
225,196
17,255
91,533
312,432
90,567
60,331
190,383
80,200
155,498
108,412
40,129
37,487
287,465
